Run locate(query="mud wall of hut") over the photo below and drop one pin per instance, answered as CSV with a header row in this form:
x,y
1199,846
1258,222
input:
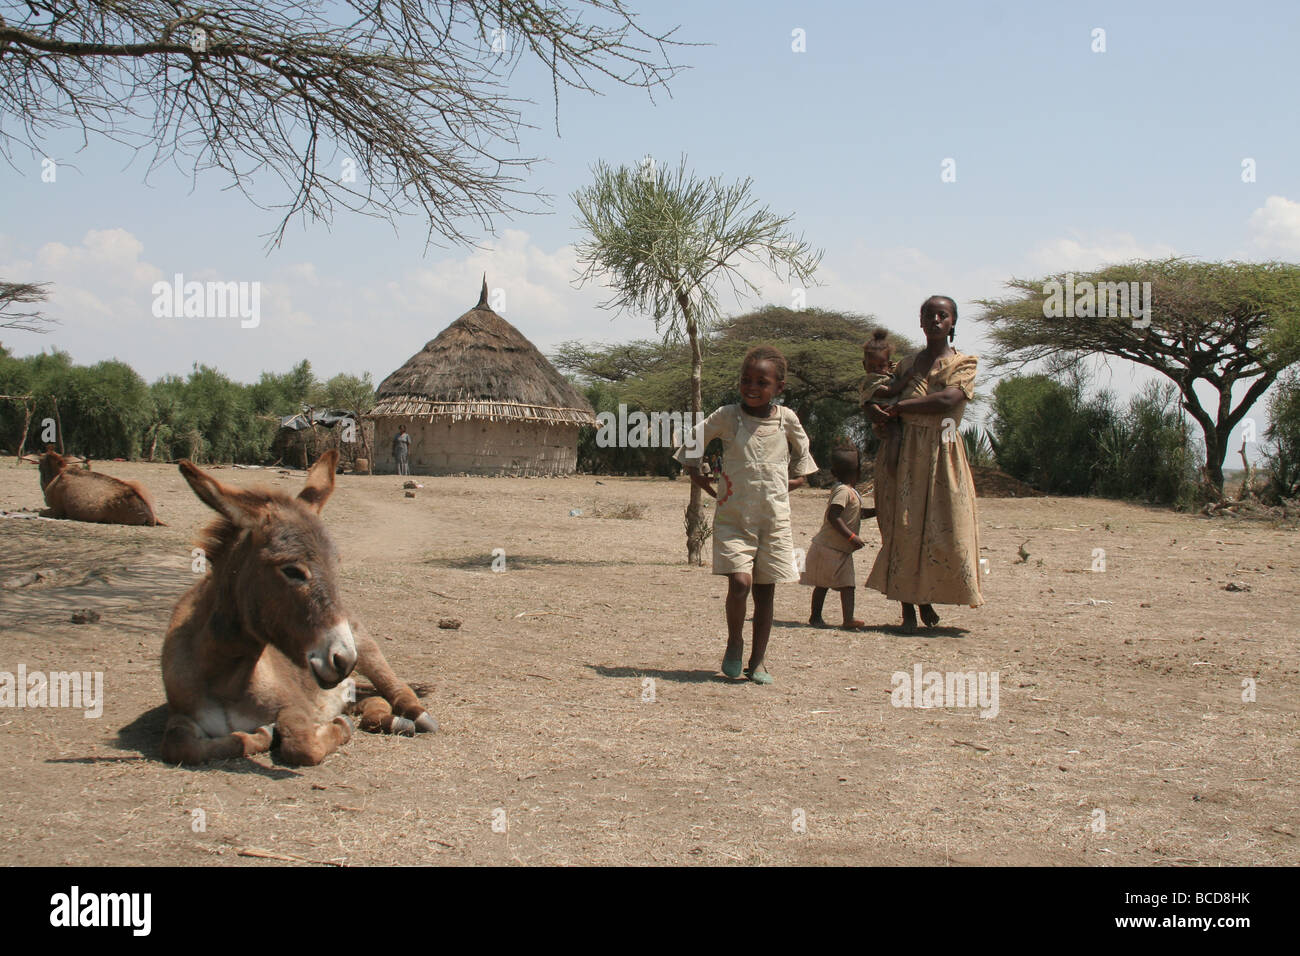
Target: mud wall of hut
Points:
x,y
511,447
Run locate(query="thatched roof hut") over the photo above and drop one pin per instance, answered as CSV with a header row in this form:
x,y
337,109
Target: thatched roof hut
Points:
x,y
480,399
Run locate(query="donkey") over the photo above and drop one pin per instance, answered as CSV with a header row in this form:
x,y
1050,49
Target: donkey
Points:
x,y
260,648
81,495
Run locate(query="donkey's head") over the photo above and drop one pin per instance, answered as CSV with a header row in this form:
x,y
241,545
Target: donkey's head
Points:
x,y
275,569
51,466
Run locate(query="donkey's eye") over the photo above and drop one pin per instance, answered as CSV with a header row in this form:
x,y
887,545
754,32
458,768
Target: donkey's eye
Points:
x,y
295,572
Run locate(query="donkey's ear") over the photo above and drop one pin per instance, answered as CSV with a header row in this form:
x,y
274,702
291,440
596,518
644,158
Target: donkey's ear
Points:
x,y
320,481
233,504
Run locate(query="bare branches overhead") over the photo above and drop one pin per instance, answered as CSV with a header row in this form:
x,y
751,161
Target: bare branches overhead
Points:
x,y
384,107
23,293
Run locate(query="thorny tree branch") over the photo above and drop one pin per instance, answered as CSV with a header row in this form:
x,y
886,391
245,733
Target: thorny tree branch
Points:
x,y
23,292
409,91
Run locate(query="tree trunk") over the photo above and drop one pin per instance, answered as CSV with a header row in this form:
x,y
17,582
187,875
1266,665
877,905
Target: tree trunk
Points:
x,y
1216,440
1214,456
695,526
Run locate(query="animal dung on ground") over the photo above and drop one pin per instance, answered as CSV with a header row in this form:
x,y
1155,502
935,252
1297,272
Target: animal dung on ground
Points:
x,y
410,494
412,484
1237,586
87,616
24,579
449,623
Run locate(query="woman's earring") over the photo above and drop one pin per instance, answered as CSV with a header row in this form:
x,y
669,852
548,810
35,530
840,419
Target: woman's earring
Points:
x,y
951,332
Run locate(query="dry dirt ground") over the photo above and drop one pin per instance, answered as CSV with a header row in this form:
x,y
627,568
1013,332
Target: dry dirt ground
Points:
x,y
1119,691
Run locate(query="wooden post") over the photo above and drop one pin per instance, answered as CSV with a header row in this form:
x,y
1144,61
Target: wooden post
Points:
x,y
27,421
57,423
1246,478
28,403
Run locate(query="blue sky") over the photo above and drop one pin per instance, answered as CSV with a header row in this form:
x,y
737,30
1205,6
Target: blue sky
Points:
x,y
1065,159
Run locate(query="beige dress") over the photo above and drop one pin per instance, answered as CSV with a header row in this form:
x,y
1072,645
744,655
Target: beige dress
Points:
x,y
829,563
751,528
929,524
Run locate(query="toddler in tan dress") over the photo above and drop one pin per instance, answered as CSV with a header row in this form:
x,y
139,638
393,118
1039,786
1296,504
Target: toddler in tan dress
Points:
x,y
829,564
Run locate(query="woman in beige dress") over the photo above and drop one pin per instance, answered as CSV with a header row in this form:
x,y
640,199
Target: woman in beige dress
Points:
x,y
929,525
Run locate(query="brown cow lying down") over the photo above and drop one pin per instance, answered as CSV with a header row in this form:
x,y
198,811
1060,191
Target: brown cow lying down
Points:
x,y
81,495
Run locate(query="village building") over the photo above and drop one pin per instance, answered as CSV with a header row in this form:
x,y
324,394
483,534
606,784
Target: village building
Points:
x,y
480,399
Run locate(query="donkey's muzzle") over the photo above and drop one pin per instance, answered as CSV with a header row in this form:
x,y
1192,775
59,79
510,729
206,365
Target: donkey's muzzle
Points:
x,y
334,657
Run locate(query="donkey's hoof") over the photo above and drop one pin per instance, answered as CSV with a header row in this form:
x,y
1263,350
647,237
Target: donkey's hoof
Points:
x,y
426,723
402,726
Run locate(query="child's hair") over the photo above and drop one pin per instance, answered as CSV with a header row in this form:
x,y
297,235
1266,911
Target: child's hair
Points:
x,y
952,303
879,342
845,463
765,353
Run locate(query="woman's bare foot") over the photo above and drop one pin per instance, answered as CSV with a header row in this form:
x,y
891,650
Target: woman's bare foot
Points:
x,y
817,622
853,625
909,619
928,616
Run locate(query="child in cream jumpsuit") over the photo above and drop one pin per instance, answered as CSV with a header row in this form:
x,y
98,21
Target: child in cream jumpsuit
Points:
x,y
765,454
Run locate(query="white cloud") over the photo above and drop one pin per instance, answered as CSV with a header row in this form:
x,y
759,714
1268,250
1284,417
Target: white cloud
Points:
x,y
1086,253
102,293
1275,227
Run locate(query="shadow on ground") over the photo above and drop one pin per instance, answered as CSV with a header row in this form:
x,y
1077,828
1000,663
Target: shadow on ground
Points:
x,y
681,677
144,736
529,562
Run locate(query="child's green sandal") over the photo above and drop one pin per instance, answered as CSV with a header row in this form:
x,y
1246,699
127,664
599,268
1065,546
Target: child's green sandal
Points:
x,y
731,666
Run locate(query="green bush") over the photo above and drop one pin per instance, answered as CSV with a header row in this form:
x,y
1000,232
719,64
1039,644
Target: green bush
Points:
x,y
1049,434
1282,454
107,411
1046,433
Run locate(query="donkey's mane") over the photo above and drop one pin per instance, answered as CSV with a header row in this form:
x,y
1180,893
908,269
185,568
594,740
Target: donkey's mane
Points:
x,y
220,537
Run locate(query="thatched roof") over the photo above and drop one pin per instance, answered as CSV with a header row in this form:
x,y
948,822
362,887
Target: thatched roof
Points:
x,y
481,367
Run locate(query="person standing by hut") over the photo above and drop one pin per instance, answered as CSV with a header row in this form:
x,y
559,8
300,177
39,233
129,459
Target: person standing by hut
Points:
x,y
929,525
402,451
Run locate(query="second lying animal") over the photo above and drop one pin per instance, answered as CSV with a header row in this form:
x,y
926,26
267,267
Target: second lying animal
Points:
x,y
261,647
79,495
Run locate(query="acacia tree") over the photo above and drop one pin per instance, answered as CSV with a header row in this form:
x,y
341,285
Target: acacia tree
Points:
x,y
661,239
382,106
824,349
1227,324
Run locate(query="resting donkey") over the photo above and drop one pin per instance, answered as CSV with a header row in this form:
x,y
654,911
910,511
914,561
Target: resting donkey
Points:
x,y
81,495
261,646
